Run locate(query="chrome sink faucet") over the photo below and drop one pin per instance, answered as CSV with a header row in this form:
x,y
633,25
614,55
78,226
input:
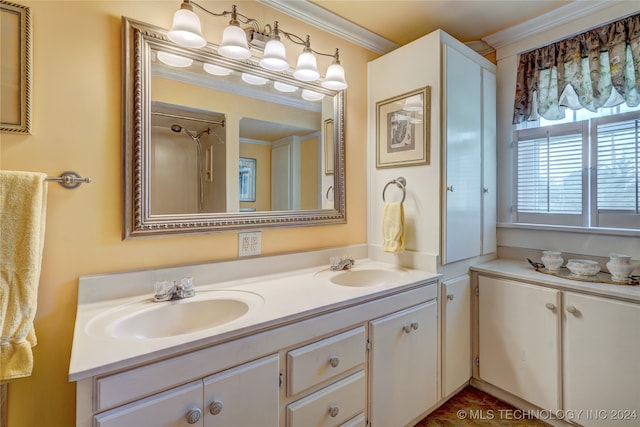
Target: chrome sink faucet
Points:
x,y
342,263
178,289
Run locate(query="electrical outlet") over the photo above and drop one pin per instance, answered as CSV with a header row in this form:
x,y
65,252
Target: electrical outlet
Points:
x,y
249,243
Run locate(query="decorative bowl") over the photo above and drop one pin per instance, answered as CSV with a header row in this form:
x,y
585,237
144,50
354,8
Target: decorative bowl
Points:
x,y
552,260
583,267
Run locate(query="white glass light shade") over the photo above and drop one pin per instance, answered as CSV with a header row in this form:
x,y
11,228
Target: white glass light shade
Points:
x,y
275,56
234,43
334,79
174,60
186,30
310,95
283,87
216,70
253,80
307,68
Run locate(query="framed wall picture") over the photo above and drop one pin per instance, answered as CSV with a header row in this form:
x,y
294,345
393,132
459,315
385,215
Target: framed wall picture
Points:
x,y
402,124
247,179
15,61
328,147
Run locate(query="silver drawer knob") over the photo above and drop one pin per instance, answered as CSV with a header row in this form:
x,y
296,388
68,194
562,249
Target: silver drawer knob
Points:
x,y
406,329
333,411
571,309
550,306
216,407
334,361
450,188
415,326
193,416
450,297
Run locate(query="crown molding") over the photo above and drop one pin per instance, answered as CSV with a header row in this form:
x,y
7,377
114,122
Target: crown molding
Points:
x,y
321,18
557,17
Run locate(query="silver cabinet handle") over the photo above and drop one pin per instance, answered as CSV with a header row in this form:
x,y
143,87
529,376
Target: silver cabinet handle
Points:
x,y
450,297
571,309
406,329
550,306
216,407
450,188
414,326
334,410
193,416
334,361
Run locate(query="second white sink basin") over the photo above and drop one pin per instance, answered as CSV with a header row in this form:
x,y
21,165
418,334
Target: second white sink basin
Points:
x,y
368,276
147,320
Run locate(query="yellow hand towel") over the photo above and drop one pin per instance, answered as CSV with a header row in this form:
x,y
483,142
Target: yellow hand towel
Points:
x,y
393,227
23,202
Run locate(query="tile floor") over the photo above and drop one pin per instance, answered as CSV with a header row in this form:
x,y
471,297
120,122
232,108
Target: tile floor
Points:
x,y
472,407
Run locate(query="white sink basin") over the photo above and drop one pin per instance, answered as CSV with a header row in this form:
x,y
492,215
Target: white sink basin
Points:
x,y
147,320
368,276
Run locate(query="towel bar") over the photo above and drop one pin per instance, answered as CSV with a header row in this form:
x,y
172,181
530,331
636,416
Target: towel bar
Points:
x,y
69,180
401,183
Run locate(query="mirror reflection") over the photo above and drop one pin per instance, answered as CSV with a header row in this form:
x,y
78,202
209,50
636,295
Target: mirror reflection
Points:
x,y
215,144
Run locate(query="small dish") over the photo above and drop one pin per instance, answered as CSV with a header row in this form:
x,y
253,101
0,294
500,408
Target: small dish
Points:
x,y
583,267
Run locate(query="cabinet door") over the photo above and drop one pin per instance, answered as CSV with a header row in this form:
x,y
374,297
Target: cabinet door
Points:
x,y
463,117
244,396
179,407
403,365
519,340
456,331
601,365
489,185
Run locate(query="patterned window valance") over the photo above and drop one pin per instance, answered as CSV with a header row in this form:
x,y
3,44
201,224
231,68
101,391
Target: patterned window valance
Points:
x,y
599,68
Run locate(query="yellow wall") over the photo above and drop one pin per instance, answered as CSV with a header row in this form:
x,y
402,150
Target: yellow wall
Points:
x,y
77,125
309,173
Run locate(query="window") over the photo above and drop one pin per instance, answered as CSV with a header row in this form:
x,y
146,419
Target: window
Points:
x,y
584,173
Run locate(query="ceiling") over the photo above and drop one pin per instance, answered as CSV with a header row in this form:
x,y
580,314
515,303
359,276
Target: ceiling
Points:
x,y
467,20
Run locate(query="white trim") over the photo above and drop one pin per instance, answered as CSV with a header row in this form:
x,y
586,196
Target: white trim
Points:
x,y
331,23
549,20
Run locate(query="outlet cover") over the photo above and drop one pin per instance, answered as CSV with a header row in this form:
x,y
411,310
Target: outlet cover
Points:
x,y
249,243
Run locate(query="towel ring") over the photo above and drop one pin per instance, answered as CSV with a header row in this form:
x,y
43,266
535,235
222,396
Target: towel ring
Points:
x,y
328,190
401,183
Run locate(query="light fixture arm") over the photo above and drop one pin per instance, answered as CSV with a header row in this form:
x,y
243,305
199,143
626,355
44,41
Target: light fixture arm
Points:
x,y
306,43
236,17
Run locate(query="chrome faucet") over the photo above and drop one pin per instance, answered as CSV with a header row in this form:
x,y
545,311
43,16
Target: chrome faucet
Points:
x,y
178,289
344,263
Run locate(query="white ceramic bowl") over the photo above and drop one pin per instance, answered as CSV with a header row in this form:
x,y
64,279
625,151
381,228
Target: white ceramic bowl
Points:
x,y
583,267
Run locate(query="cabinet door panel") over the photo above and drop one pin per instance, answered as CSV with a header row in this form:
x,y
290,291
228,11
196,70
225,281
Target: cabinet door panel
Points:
x,y
601,365
456,357
403,365
244,396
519,340
168,409
463,150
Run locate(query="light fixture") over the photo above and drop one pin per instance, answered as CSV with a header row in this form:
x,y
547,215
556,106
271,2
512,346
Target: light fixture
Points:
x,y
216,70
253,80
283,87
236,43
310,95
174,60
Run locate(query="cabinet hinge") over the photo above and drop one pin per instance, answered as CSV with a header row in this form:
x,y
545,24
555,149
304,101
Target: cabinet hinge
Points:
x,y
477,361
368,345
280,380
477,290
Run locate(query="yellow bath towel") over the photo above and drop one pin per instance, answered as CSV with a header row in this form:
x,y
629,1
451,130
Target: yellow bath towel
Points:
x,y
393,227
23,202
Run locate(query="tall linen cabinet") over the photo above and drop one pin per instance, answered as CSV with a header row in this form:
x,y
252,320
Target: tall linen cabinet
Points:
x,y
450,204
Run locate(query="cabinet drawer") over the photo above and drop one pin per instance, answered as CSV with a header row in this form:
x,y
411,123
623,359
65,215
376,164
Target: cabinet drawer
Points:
x,y
357,421
168,409
322,360
331,406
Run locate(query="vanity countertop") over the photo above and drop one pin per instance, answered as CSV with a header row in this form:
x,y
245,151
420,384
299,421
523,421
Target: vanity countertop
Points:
x,y
284,298
522,270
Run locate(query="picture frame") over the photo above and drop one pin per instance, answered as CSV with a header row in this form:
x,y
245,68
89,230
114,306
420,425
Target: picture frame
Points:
x,y
16,64
328,147
402,129
247,191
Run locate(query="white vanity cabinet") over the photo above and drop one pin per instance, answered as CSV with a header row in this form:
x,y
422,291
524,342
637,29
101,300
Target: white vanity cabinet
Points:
x,y
403,365
238,397
519,339
456,334
601,360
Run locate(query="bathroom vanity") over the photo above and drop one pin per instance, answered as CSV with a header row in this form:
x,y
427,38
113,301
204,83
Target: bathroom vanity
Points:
x,y
307,351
